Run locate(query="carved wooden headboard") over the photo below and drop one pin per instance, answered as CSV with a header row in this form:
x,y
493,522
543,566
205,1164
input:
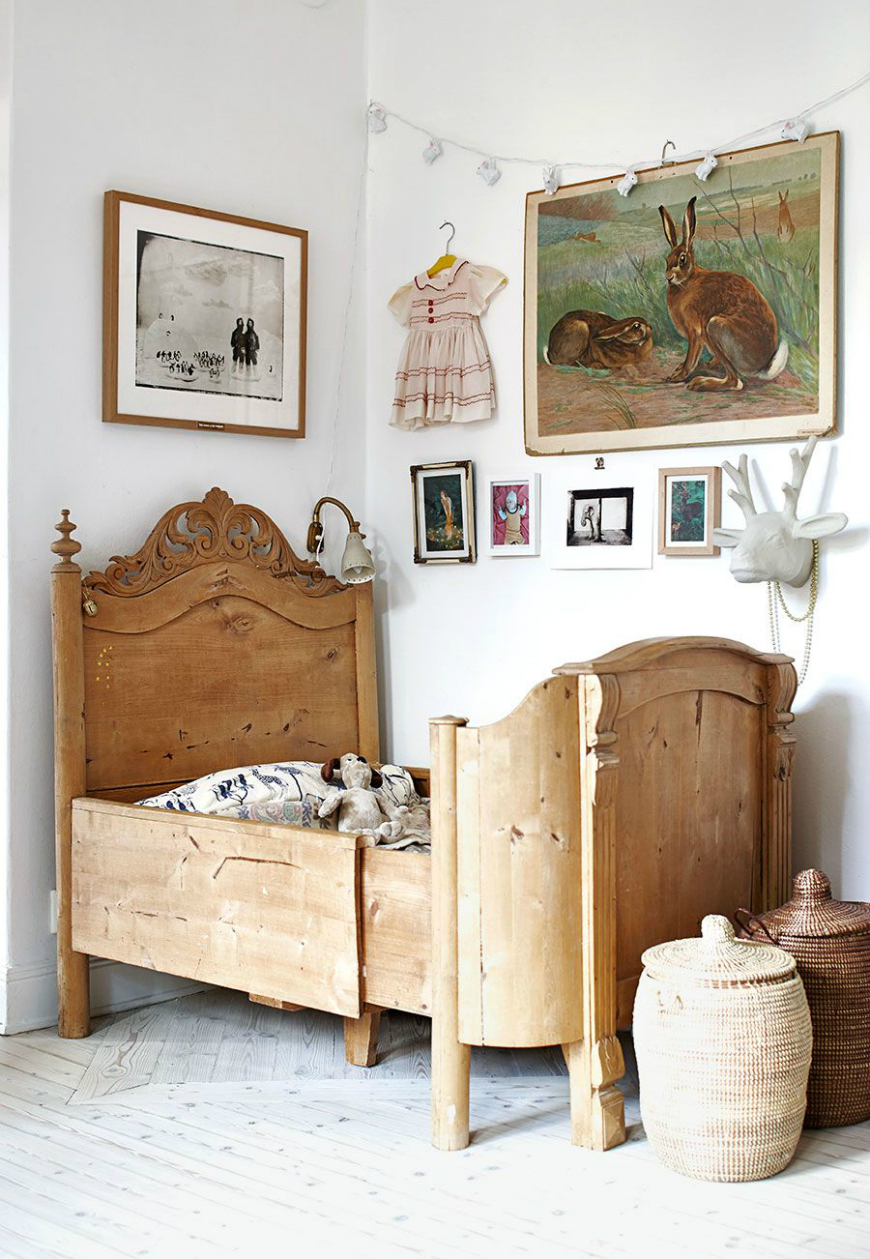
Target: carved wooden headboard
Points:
x,y
213,646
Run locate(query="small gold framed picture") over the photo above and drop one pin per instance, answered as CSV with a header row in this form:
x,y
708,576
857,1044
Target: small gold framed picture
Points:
x,y
443,513
690,508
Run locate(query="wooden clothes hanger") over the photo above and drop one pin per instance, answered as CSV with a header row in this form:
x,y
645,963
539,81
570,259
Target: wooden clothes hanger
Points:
x,y
447,259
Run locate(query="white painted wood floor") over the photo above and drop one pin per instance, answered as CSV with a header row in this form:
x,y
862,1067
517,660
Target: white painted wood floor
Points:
x,y
207,1127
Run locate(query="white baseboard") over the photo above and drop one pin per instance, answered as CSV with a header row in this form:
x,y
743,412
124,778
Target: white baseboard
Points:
x,y
31,992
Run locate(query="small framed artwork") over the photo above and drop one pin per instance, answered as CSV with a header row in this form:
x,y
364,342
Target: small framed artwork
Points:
x,y
601,524
514,515
203,319
690,507
443,513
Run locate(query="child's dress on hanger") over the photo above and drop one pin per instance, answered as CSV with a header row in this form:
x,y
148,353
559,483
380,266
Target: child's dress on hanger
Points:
x,y
444,373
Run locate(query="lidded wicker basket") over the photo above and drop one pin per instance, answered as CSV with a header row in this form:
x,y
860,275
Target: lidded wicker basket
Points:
x,y
830,941
723,1040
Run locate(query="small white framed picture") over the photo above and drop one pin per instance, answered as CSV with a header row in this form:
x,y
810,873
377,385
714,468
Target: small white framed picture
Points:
x,y
598,522
514,515
690,508
443,513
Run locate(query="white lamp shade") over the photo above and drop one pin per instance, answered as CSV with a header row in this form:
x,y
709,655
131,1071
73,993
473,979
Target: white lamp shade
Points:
x,y
357,564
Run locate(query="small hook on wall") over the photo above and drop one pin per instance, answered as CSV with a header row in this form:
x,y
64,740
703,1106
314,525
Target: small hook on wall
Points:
x,y
665,161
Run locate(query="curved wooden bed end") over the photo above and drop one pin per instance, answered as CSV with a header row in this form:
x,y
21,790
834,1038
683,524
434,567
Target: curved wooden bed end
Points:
x,y
214,645
628,795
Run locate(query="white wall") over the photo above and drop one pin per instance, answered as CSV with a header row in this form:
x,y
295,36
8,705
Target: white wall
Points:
x,y
255,109
5,127
558,78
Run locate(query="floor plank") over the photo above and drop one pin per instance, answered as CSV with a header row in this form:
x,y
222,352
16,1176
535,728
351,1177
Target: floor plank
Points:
x,y
158,1051
211,1126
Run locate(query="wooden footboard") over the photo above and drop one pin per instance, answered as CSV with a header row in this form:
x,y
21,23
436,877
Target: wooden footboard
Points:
x,y
621,802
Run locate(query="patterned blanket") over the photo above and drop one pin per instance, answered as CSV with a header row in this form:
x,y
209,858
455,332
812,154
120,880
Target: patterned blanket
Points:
x,y
290,793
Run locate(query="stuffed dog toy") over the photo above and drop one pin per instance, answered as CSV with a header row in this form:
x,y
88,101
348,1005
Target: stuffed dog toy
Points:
x,y
359,809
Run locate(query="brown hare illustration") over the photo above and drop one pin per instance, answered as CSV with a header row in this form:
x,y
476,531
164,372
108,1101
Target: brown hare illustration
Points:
x,y
720,311
587,338
785,228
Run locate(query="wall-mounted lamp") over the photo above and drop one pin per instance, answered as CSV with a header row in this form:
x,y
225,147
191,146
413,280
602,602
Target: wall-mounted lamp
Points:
x,y
357,565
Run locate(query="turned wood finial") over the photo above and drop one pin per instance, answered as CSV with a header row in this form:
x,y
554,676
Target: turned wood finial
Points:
x,y
65,546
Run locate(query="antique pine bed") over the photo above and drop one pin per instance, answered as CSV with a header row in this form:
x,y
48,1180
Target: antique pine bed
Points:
x,y
621,801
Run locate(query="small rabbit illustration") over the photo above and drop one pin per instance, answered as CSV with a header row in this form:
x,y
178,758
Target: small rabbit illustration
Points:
x,y
587,338
719,311
785,228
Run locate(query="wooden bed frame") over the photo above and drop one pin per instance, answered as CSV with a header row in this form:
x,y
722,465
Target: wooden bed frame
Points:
x,y
656,779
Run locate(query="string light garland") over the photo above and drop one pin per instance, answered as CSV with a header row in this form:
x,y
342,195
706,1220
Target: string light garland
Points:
x,y
796,127
627,182
488,171
550,176
706,168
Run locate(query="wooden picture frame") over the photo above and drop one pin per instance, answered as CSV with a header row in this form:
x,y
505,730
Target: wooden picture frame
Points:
x,y
524,537
443,501
609,362
204,319
700,504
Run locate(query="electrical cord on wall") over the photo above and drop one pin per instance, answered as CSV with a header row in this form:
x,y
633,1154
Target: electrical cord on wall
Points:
x,y
342,359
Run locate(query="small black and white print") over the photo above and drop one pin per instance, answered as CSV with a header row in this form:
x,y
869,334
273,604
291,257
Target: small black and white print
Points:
x,y
600,517
209,318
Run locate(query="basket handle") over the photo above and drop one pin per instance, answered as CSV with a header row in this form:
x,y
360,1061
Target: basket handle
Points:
x,y
752,920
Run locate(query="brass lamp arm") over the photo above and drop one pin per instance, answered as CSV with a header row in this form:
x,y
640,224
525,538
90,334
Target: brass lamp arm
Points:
x,y
315,529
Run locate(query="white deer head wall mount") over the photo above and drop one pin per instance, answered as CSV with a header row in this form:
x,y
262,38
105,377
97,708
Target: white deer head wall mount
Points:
x,y
775,545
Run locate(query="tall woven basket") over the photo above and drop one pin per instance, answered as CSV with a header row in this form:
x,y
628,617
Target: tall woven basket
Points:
x,y
830,942
723,1041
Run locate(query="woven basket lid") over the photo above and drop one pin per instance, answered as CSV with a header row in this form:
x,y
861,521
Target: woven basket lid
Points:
x,y
718,959
812,912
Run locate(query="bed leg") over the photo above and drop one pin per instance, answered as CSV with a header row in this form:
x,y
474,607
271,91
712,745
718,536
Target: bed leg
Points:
x,y
73,994
597,1106
451,1069
361,1038
451,1060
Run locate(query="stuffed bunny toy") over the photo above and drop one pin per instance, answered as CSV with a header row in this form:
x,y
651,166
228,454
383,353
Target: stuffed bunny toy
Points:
x,y
359,809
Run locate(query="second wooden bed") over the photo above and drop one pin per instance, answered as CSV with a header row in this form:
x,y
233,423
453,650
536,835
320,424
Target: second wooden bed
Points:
x,y
622,800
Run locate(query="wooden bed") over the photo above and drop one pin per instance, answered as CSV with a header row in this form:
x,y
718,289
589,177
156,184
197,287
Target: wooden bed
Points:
x,y
620,802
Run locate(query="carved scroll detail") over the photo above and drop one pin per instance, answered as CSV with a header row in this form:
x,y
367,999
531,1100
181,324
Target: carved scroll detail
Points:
x,y
783,691
192,534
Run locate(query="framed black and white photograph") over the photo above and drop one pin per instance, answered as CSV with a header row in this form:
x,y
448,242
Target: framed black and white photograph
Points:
x,y
601,523
443,496
204,319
